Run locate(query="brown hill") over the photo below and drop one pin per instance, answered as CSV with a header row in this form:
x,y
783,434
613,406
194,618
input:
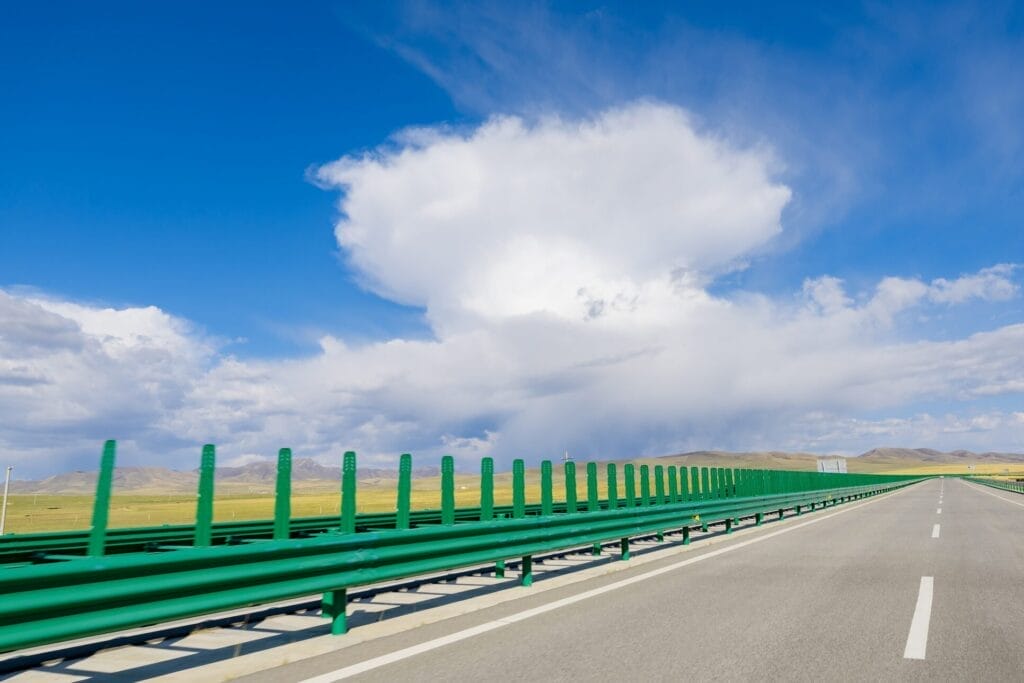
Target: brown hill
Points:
x,y
256,477
899,457
310,476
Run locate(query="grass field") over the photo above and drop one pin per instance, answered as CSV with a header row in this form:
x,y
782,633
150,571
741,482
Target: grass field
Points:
x,y
55,512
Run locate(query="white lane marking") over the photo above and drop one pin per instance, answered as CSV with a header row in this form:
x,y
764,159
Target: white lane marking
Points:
x,y
994,495
938,511
935,531
917,639
413,650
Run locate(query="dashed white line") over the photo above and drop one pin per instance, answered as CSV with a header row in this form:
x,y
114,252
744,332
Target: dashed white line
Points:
x,y
938,511
935,531
917,639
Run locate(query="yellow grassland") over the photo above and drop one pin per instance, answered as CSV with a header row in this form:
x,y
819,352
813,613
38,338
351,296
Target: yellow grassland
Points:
x,y
28,513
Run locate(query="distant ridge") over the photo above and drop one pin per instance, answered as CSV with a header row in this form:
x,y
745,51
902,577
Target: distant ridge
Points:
x,y
307,474
310,476
927,455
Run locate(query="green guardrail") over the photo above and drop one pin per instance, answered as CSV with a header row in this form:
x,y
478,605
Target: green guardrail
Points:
x,y
73,596
55,546
1003,485
39,546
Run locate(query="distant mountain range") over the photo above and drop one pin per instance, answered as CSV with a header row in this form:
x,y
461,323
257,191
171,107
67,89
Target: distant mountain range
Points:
x,y
255,477
310,476
875,460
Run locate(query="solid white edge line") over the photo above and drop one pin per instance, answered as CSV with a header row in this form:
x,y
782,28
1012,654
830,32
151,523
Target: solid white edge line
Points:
x,y
935,531
413,650
917,639
979,489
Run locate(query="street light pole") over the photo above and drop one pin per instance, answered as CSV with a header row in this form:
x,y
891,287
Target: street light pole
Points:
x,y
3,512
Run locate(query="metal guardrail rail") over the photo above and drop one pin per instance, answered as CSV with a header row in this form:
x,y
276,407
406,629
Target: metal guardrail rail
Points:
x,y
60,597
1013,486
39,546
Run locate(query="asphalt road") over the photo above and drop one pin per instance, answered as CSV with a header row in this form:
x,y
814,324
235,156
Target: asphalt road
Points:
x,y
837,596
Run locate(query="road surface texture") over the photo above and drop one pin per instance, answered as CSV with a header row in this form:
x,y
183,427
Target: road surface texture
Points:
x,y
924,584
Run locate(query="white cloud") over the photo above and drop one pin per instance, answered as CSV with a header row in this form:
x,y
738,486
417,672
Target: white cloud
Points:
x,y
571,218
564,268
978,431
72,375
989,284
826,294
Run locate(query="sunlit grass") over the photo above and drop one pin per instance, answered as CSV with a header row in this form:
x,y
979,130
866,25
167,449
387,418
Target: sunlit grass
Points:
x,y
28,513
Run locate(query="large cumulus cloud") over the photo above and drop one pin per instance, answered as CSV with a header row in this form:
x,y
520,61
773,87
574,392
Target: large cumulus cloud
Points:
x,y
564,267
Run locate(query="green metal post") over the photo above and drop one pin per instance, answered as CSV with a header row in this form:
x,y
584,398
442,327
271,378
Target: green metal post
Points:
x,y
283,495
593,504
333,607
645,485
546,486
487,503
519,510
404,491
487,489
695,490
101,504
518,489
705,484
204,502
630,485
659,485
613,488
624,549
592,496
570,487
348,492
447,490
673,484
659,493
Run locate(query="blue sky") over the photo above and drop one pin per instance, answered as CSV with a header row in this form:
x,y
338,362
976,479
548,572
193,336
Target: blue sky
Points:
x,y
173,155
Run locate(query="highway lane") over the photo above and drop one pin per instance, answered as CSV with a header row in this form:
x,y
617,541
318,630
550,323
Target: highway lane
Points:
x,y
834,598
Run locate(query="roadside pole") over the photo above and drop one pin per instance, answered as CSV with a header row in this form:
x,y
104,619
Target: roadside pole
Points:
x,y
3,512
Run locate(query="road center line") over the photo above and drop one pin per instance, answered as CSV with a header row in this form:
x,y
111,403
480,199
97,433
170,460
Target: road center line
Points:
x,y
917,639
935,531
412,651
938,511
